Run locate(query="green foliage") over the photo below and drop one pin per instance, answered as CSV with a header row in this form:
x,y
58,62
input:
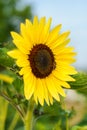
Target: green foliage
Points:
x,y
80,84
5,60
3,114
79,128
11,14
52,117
57,126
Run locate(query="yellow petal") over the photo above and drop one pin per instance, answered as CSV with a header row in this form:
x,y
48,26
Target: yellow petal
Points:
x,y
23,30
26,36
64,59
63,44
29,85
65,68
47,26
62,76
16,54
50,98
60,45
45,91
58,86
19,43
16,36
25,70
35,21
42,22
68,54
51,88
28,24
61,38
66,50
35,30
39,92
41,28
29,31
62,83
53,34
22,62
45,33
62,50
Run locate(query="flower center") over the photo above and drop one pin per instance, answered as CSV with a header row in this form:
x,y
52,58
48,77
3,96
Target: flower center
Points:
x,y
41,60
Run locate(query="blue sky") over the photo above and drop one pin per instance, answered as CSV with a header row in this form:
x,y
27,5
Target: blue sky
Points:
x,y
73,16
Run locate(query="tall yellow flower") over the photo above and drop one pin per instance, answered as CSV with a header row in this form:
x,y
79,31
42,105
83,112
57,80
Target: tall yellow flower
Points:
x,y
44,60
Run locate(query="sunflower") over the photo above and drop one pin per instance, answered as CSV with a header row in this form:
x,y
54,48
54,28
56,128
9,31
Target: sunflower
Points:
x,y
44,60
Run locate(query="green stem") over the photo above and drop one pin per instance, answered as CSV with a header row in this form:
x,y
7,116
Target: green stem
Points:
x,y
14,121
3,112
17,107
67,122
29,116
65,108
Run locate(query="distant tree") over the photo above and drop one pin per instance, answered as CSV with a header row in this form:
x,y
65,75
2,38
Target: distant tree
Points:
x,y
11,14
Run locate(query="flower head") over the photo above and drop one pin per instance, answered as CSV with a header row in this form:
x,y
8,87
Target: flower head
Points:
x,y
44,60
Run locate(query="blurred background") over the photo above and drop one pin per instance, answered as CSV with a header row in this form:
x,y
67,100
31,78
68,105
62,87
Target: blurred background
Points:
x,y
72,15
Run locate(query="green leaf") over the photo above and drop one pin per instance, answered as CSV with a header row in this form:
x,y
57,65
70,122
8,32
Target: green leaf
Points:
x,y
57,126
50,116
5,60
21,128
81,81
79,128
3,112
18,84
80,84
